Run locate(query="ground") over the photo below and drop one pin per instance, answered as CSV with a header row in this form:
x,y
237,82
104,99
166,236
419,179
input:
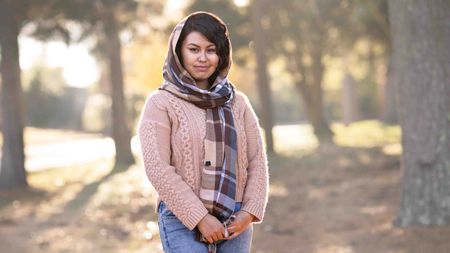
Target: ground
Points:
x,y
334,199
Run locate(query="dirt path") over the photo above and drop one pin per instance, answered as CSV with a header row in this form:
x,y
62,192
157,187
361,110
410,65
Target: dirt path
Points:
x,y
334,200
341,200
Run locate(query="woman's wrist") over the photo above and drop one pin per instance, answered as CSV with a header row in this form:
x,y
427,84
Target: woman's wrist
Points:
x,y
248,216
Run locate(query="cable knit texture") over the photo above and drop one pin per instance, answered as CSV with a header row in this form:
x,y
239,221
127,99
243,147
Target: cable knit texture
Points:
x,y
171,133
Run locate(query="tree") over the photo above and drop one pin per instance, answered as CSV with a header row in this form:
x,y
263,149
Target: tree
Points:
x,y
263,82
371,22
12,171
350,111
237,20
101,20
305,33
421,58
121,132
105,19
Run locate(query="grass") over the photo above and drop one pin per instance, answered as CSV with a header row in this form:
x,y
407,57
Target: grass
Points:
x,y
33,135
368,133
298,139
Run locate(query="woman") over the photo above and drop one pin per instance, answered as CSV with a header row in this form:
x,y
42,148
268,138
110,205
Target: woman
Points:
x,y
202,146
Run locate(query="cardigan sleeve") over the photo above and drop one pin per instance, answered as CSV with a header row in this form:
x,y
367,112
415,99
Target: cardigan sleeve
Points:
x,y
256,189
154,131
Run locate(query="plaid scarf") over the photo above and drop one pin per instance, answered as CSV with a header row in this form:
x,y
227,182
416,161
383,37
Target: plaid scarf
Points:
x,y
218,178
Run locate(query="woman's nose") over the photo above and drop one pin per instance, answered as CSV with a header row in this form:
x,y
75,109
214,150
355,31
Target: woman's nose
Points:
x,y
203,57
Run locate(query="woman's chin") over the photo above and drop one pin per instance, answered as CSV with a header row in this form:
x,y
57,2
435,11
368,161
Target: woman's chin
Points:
x,y
200,79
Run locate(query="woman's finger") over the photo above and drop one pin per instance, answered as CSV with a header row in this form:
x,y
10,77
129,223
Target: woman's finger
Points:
x,y
209,239
233,229
219,235
233,236
213,237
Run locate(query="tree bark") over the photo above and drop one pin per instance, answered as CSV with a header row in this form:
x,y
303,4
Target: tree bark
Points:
x,y
421,54
263,83
321,128
349,102
120,130
311,94
389,105
12,172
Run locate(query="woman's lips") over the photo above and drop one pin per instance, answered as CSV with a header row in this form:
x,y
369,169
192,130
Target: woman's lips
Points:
x,y
201,68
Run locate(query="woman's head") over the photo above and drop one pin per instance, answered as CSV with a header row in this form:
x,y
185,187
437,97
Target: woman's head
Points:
x,y
203,46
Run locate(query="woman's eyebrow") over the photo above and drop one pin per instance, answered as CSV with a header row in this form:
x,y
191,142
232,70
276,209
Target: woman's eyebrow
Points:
x,y
193,44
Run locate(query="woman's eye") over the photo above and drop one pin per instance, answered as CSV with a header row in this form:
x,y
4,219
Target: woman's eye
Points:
x,y
212,50
194,50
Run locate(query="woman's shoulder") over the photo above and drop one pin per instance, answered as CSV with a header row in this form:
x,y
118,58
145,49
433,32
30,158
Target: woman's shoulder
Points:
x,y
157,95
158,98
241,100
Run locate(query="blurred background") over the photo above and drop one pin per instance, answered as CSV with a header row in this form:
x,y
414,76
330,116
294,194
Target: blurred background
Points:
x,y
335,84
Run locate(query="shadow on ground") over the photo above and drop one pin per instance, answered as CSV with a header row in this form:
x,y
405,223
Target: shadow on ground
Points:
x,y
329,200
339,200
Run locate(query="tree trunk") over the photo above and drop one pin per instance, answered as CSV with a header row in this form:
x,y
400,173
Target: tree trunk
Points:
x,y
311,93
12,171
421,39
120,130
314,113
321,128
349,102
263,83
389,106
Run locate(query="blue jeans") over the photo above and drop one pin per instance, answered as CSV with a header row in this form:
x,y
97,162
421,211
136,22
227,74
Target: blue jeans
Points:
x,y
177,238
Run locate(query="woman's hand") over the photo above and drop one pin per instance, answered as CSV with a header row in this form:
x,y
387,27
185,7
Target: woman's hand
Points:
x,y
211,228
241,222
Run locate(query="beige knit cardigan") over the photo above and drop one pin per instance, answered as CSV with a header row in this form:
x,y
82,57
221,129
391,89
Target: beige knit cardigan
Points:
x,y
171,133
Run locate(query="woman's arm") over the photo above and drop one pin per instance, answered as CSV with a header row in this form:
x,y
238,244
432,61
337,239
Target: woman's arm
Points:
x,y
256,190
154,132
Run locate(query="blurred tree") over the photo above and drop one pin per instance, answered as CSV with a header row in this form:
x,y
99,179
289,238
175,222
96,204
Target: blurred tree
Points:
x,y
237,20
101,21
371,22
262,82
421,58
350,111
44,88
39,113
305,33
12,170
106,14
389,113
144,58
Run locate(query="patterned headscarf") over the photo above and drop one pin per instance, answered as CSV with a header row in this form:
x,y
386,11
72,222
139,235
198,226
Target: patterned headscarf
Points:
x,y
218,179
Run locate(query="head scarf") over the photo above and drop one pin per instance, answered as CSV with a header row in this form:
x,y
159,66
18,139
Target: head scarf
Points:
x,y
218,178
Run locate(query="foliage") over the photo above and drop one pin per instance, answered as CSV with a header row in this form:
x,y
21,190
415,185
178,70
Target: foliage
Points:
x,y
298,31
144,58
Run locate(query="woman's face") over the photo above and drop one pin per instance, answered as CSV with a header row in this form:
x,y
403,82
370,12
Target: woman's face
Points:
x,y
200,58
